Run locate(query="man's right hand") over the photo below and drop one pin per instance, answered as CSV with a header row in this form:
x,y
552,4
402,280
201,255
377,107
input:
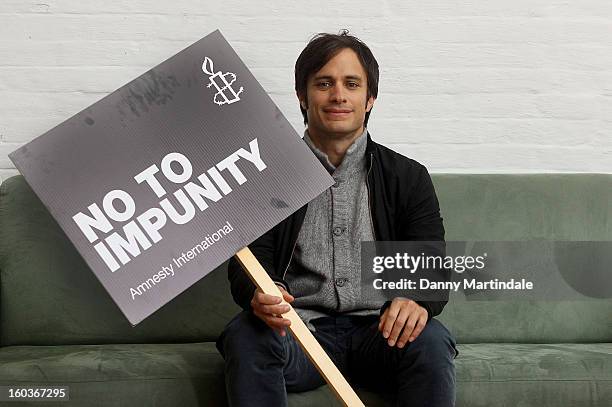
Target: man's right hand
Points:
x,y
269,308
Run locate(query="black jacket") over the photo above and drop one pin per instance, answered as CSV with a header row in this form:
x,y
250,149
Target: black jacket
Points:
x,y
403,205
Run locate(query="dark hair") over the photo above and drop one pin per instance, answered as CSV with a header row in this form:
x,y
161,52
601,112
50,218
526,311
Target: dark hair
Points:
x,y
323,47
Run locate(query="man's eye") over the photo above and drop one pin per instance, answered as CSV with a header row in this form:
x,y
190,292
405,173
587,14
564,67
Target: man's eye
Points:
x,y
323,84
353,85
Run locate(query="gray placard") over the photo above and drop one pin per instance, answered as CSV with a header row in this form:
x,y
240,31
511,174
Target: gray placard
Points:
x,y
203,109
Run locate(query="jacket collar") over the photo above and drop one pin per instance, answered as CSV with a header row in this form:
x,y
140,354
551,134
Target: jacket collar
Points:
x,y
371,149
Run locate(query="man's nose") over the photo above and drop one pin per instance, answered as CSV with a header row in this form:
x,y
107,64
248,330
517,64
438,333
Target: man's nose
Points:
x,y
337,93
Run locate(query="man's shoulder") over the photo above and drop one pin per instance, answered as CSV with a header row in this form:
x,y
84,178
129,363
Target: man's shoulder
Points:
x,y
396,163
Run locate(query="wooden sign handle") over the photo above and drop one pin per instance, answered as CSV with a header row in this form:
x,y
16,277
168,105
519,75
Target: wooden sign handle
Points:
x,y
341,388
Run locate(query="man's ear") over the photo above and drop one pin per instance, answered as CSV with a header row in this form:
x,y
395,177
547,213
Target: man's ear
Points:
x,y
302,101
370,103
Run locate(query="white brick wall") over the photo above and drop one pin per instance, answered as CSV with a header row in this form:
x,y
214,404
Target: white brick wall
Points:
x,y
471,86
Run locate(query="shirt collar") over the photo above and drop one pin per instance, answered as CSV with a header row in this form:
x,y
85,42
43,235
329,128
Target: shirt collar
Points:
x,y
352,159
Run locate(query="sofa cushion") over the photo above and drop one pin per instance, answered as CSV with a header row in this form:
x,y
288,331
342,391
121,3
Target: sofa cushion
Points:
x,y
168,374
521,375
528,321
527,207
192,374
162,374
523,207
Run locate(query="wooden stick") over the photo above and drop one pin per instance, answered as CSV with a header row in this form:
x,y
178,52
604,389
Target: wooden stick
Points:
x,y
341,388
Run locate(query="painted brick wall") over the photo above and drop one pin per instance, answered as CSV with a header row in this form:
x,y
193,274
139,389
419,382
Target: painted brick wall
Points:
x,y
471,86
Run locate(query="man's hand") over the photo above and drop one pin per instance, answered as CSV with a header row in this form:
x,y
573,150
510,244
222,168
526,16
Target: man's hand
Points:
x,y
405,316
269,309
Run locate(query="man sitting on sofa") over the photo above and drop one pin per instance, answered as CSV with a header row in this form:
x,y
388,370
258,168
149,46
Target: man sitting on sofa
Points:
x,y
314,256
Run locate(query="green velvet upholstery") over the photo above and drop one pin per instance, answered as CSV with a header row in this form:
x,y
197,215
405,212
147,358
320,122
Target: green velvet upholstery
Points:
x,y
496,207
546,372
58,325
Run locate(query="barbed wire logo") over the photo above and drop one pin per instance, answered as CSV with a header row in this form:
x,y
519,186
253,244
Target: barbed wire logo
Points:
x,y
225,95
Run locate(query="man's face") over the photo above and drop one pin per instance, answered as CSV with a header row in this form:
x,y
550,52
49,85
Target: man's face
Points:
x,y
336,97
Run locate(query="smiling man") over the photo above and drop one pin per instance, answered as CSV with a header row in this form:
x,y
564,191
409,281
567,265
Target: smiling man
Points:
x,y
314,256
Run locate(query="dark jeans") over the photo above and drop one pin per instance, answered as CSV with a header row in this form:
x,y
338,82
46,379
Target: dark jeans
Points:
x,y
261,366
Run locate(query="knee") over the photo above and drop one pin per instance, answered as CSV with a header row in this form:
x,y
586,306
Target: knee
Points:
x,y
435,344
427,370
248,335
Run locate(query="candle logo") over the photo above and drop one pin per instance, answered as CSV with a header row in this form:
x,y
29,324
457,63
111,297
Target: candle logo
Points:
x,y
225,93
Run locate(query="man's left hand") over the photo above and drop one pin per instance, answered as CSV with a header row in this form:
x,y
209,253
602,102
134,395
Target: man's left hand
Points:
x,y
402,316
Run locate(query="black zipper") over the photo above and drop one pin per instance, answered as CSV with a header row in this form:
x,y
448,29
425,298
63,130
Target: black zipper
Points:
x,y
369,196
291,256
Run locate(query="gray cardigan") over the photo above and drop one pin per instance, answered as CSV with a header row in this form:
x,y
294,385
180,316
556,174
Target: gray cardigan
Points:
x,y
324,273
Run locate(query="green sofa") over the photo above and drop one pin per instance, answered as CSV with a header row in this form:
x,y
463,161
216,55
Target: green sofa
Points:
x,y
58,326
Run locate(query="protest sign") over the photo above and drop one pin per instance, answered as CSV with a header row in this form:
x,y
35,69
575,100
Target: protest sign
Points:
x,y
163,180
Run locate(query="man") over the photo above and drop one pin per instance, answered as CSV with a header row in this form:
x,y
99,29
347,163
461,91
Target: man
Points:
x,y
314,256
